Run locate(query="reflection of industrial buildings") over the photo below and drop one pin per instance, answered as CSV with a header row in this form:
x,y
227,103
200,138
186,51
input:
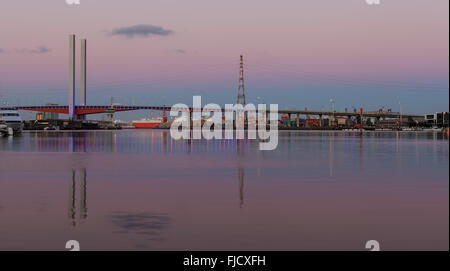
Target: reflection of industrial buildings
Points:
x,y
143,142
72,208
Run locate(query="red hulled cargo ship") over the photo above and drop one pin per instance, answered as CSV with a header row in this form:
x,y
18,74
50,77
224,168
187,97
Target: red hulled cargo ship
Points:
x,y
147,123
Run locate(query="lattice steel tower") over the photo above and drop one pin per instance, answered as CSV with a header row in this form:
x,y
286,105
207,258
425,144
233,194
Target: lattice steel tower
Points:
x,y
241,89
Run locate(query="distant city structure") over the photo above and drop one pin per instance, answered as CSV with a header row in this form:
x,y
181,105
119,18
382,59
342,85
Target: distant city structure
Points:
x,y
50,115
437,119
72,105
39,116
307,118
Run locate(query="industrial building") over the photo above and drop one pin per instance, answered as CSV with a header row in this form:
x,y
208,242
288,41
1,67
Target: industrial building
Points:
x,y
50,115
439,119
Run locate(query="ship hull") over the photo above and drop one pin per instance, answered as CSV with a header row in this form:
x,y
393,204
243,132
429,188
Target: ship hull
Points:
x,y
145,125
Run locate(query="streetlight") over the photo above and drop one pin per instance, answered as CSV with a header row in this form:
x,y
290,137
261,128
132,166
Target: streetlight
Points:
x,y
332,107
259,99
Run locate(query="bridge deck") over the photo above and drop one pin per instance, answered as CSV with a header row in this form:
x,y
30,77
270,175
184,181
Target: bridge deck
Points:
x,y
97,109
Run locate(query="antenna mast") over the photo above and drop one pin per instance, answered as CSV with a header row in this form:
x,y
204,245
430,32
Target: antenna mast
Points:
x,y
241,89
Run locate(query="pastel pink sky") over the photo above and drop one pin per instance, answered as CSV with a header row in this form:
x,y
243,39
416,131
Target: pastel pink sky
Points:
x,y
287,43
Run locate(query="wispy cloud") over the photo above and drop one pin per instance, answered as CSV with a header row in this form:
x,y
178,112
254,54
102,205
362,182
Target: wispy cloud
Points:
x,y
41,50
180,51
38,50
1,51
141,30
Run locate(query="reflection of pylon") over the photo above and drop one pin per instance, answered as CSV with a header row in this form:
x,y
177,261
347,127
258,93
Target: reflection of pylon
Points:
x,y
71,212
241,89
241,186
72,197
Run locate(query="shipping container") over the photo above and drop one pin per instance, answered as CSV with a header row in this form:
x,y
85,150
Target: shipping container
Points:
x,y
313,122
342,122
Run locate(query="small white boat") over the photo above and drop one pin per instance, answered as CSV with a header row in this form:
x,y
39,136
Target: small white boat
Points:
x,y
434,129
413,129
3,129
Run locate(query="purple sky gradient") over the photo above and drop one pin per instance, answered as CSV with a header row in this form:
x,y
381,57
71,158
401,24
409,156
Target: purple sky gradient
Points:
x,y
298,53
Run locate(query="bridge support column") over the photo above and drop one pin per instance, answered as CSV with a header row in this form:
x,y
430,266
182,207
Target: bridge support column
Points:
x,y
80,117
321,121
71,77
83,76
297,120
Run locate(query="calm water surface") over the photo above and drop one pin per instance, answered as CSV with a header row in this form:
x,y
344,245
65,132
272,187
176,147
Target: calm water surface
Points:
x,y
140,190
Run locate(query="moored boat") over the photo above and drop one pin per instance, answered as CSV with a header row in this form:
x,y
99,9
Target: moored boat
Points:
x,y
11,122
147,123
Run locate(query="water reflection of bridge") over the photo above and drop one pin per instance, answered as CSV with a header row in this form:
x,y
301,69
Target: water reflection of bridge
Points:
x,y
122,141
160,141
79,212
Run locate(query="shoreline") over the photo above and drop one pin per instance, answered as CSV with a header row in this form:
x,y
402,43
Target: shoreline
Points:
x,y
292,129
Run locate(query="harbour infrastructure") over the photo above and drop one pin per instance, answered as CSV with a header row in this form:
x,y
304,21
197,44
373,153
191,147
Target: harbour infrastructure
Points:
x,y
80,111
289,117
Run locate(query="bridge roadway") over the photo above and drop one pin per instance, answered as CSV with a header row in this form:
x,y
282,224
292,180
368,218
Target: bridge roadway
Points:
x,y
98,109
